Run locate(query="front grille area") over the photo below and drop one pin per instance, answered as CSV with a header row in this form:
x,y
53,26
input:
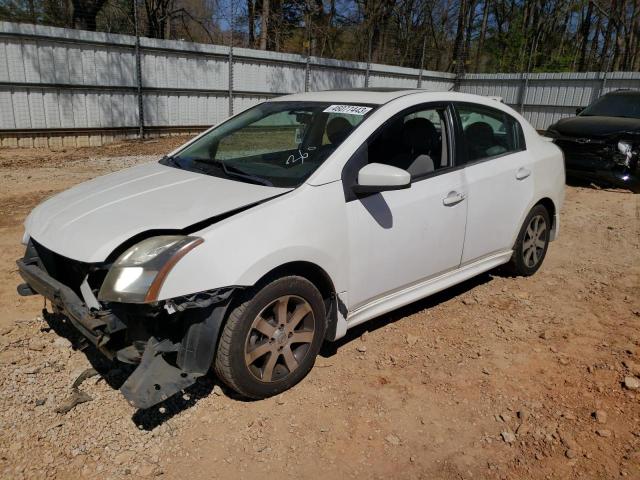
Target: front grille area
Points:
x,y
67,271
586,156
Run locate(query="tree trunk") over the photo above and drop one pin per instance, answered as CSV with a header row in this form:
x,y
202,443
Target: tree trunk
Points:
x,y
327,43
483,32
628,34
157,17
251,19
32,11
585,29
467,44
593,51
458,45
607,40
635,61
264,24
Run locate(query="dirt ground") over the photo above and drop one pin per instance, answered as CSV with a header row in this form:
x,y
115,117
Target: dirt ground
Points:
x,y
499,378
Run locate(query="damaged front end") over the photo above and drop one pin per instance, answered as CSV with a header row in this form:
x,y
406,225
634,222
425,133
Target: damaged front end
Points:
x,y
172,341
613,159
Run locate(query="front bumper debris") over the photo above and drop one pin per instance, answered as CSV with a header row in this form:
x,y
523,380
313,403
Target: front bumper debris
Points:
x,y
96,326
155,379
172,341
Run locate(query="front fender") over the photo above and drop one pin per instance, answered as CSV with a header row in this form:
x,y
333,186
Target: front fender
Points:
x,y
308,224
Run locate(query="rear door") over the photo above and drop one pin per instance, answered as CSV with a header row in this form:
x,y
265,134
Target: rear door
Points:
x,y
499,179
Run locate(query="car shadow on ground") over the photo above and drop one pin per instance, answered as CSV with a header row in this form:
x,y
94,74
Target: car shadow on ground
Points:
x,y
331,348
115,373
152,417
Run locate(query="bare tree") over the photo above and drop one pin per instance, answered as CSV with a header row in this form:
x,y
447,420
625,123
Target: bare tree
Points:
x,y
455,35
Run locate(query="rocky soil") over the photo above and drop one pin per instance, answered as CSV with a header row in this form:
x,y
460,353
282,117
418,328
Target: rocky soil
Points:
x,y
499,378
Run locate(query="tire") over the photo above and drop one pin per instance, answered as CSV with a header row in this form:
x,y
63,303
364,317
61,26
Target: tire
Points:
x,y
526,259
260,328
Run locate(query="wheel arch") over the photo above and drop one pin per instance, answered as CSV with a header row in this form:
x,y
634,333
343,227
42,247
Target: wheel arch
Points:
x,y
319,278
550,207
548,204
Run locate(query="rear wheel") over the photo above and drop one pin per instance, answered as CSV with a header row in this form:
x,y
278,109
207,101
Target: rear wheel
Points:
x,y
270,341
532,243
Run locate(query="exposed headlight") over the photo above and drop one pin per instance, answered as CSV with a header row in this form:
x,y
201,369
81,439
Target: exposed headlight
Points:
x,y
624,148
137,275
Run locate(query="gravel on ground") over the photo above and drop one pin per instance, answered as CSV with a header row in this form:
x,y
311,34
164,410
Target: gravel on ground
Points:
x,y
499,378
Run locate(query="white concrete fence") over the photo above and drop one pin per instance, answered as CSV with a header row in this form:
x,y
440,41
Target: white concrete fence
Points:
x,y
69,87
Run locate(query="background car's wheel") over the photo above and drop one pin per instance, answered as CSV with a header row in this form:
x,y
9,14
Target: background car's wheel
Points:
x,y
532,243
271,339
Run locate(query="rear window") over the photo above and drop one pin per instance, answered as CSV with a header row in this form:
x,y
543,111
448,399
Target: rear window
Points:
x,y
488,132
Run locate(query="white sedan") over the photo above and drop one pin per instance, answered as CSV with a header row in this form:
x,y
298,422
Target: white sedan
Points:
x,y
288,224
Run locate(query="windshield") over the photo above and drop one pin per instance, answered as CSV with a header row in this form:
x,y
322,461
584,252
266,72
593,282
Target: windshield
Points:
x,y
618,105
278,144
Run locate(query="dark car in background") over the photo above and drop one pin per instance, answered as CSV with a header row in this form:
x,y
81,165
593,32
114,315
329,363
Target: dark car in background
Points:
x,y
602,143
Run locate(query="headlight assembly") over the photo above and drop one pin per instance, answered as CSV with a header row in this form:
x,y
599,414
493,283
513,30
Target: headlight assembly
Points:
x,y
137,275
624,148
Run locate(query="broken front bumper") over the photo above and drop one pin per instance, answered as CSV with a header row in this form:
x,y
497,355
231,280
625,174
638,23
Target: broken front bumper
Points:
x,y
97,326
166,365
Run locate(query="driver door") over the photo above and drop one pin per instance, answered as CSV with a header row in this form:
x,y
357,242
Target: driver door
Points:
x,y
399,239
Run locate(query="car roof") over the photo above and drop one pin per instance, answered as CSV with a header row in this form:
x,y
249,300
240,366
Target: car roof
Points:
x,y
380,96
376,96
625,91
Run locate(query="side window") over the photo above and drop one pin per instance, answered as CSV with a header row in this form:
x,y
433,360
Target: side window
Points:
x,y
488,132
416,142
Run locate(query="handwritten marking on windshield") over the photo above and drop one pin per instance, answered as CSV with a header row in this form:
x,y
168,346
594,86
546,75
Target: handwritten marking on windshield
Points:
x,y
293,159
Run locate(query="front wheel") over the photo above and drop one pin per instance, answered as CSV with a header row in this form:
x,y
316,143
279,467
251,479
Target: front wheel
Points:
x,y
270,341
532,242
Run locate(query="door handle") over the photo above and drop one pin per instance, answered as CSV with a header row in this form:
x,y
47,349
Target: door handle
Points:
x,y
453,198
522,173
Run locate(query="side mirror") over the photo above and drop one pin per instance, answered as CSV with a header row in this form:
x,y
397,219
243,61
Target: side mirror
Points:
x,y
579,110
377,177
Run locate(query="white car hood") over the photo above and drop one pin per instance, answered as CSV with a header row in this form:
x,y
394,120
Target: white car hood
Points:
x,y
87,222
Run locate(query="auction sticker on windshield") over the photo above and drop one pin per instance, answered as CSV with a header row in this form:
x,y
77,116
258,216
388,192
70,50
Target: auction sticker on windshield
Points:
x,y
348,109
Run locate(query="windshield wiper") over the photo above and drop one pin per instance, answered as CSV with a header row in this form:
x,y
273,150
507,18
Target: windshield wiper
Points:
x,y
171,161
231,171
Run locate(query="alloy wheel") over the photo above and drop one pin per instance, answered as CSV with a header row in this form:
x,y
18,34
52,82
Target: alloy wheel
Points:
x,y
279,338
535,241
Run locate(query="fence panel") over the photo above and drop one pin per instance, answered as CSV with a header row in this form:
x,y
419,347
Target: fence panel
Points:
x,y
55,81
544,98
